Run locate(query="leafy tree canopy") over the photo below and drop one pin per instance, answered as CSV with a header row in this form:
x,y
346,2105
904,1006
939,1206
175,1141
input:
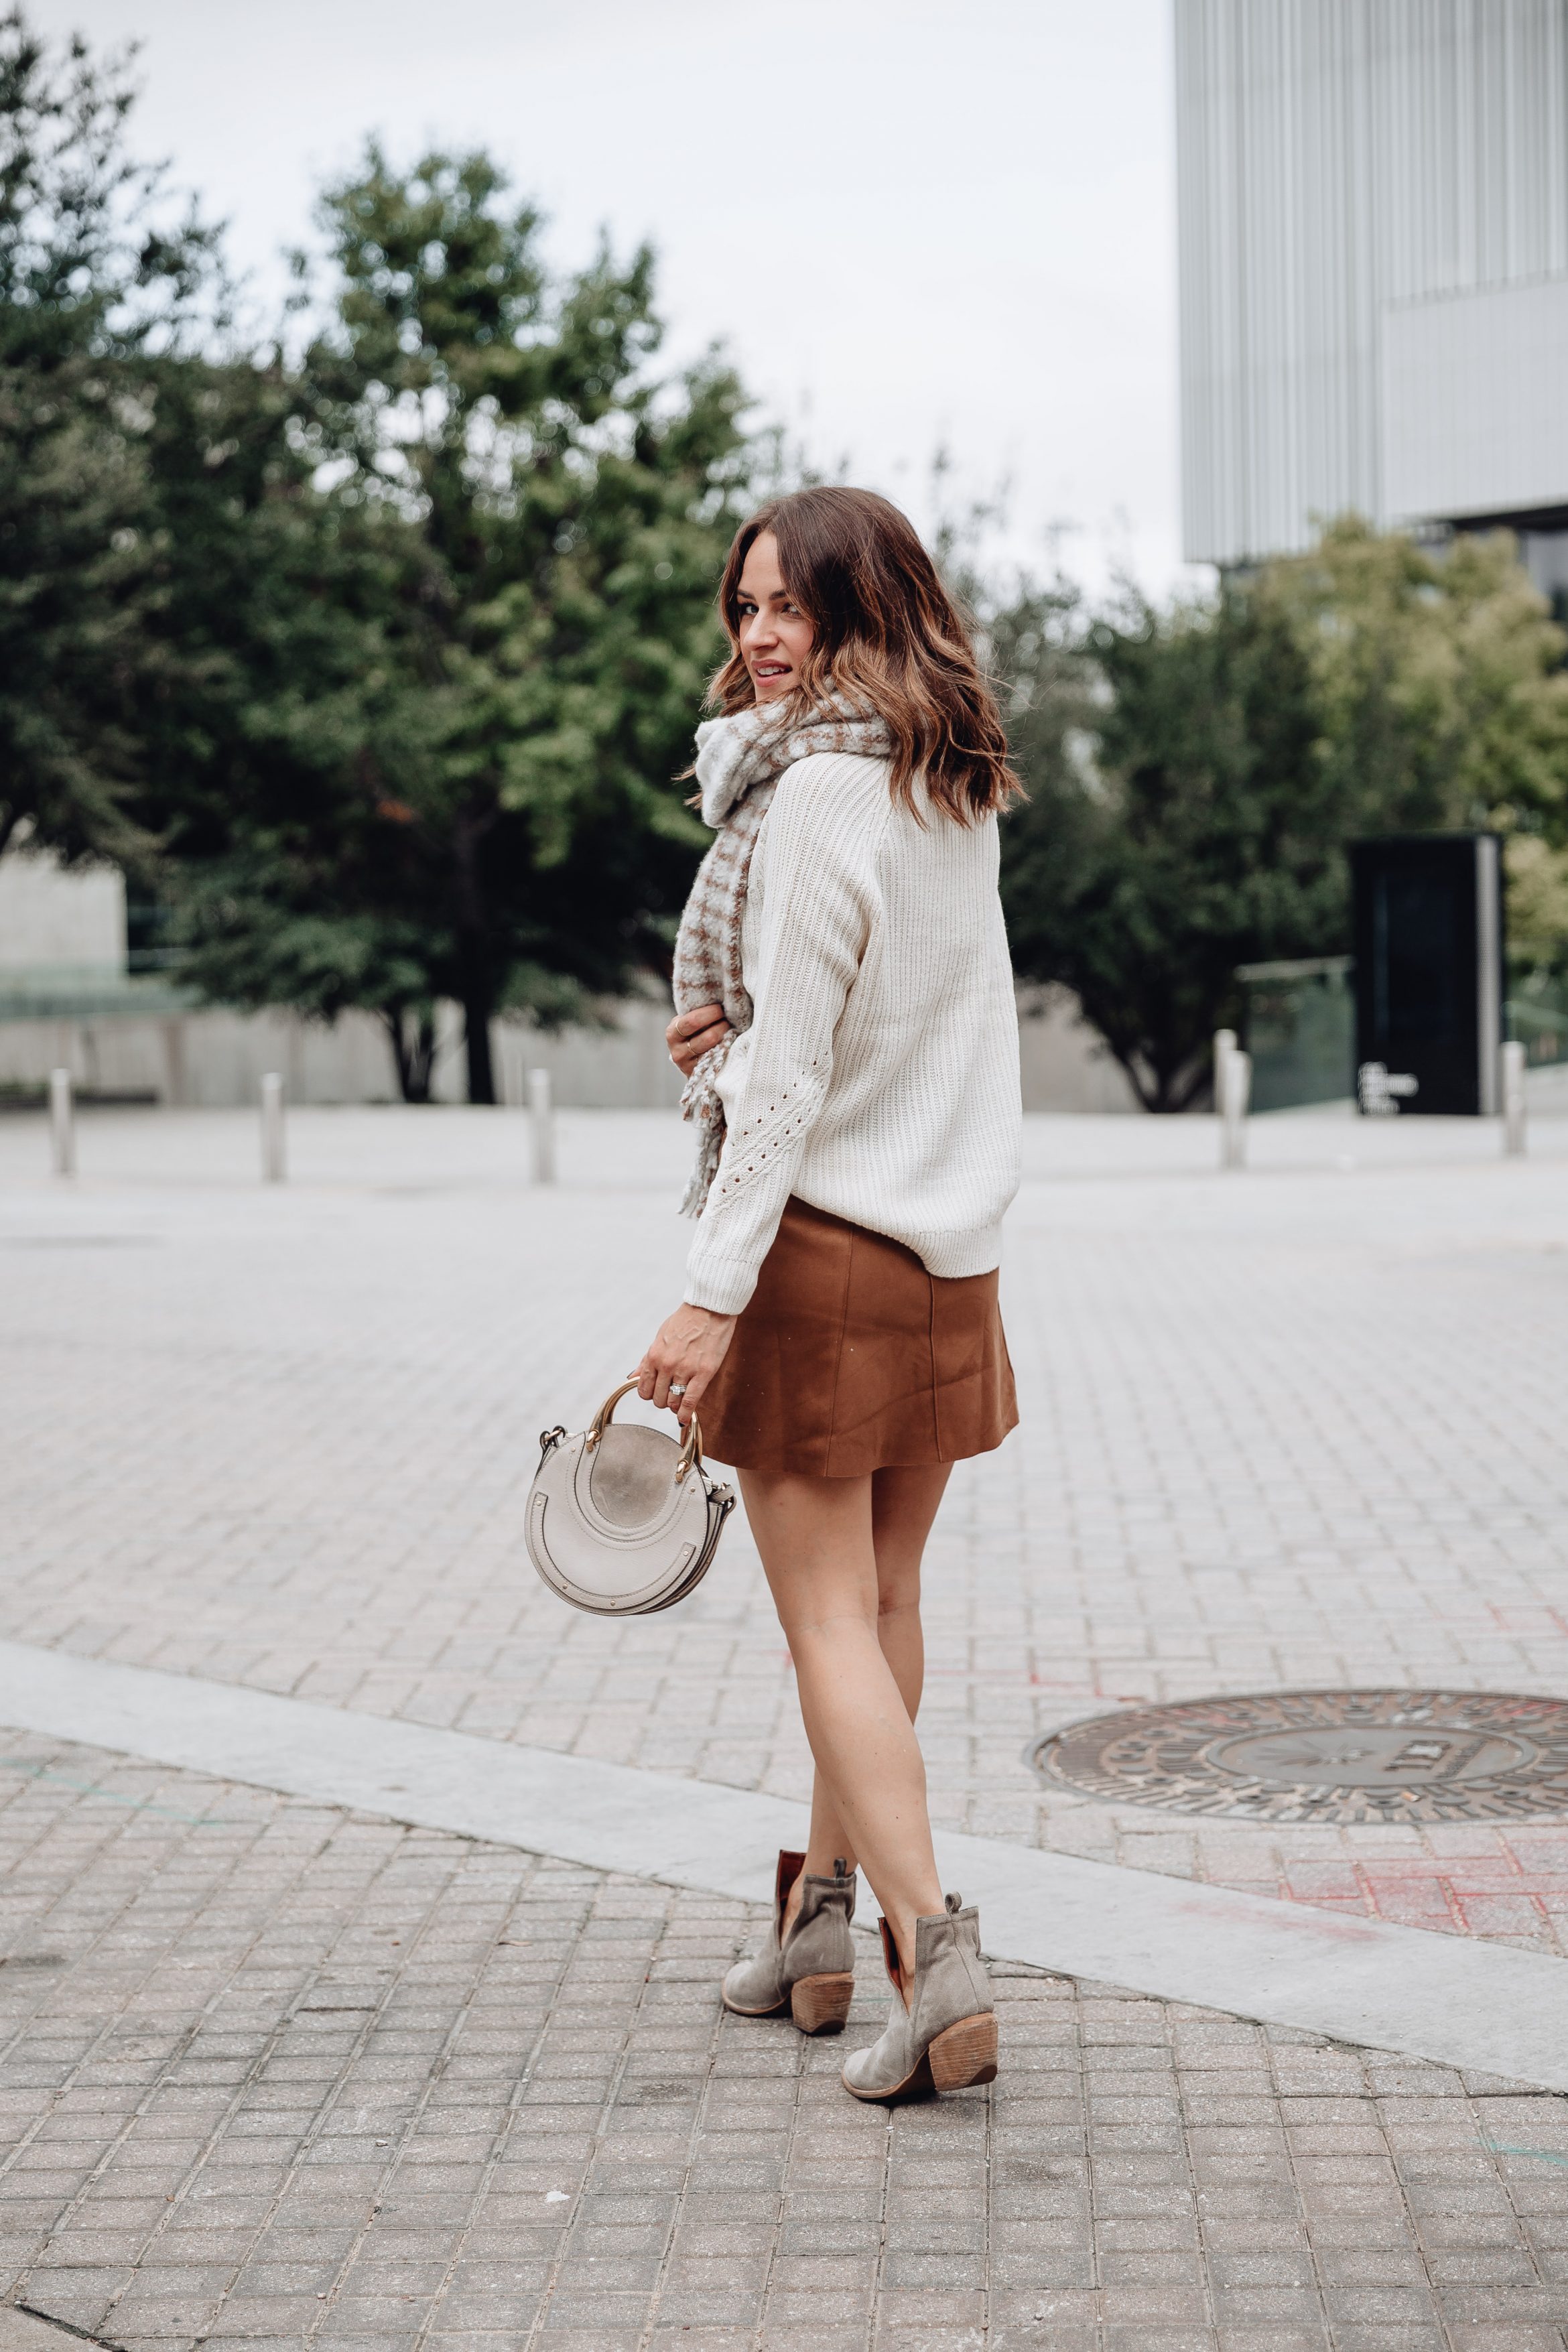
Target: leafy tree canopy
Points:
x,y
535,521
1196,773
98,295
379,660
1439,676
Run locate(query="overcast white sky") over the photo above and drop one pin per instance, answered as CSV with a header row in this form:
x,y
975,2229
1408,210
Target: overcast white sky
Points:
x,y
911,224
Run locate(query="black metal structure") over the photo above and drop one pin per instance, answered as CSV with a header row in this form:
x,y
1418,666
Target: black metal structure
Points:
x,y
1428,973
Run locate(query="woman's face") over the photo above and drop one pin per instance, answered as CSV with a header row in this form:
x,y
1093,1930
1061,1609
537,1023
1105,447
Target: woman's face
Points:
x,y
775,636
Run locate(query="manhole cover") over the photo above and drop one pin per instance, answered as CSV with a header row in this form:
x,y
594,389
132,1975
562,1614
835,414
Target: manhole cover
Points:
x,y
1326,1756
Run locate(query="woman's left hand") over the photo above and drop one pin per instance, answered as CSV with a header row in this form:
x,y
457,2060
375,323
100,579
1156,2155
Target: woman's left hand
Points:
x,y
689,1347
691,1034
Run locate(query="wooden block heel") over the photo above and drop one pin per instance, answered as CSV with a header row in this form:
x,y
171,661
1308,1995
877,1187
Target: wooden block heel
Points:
x,y
821,2004
963,2054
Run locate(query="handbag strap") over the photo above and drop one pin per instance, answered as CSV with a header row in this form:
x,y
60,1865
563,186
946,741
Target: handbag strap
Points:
x,y
692,1445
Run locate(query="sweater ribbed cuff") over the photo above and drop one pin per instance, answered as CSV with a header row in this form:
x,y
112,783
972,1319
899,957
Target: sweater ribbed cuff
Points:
x,y
722,1285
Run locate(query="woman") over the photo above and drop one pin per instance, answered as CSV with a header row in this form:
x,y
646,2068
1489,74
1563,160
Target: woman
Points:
x,y
847,1029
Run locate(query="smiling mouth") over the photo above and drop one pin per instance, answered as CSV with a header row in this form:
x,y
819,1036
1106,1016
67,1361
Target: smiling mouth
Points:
x,y
773,669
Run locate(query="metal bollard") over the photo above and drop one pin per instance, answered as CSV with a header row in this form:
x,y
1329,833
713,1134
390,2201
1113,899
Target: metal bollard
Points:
x,y
1233,1089
1513,1099
273,1166
62,1123
542,1127
1224,1044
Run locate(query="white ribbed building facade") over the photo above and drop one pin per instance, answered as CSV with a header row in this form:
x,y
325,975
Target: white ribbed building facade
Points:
x,y
1373,225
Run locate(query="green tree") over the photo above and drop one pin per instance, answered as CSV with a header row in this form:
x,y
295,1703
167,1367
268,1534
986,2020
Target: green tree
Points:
x,y
1439,676
1195,774
1192,830
537,522
272,627
180,624
97,296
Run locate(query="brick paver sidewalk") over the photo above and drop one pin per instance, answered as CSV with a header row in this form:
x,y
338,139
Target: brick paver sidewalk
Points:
x,y
278,2076
1303,1426
1299,1427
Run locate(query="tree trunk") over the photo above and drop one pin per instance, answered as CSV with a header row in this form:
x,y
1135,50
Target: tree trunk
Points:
x,y
412,1030
477,990
1163,1090
477,1009
1142,1080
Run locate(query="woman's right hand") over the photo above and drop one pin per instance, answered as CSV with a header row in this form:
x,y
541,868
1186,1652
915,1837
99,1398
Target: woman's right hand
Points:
x,y
691,1034
688,1350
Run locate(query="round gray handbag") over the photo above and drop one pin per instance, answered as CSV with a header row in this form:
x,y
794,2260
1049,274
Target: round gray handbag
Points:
x,y
621,1519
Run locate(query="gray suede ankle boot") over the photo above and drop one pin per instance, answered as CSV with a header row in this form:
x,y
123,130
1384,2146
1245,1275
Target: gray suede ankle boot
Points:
x,y
812,1970
946,2038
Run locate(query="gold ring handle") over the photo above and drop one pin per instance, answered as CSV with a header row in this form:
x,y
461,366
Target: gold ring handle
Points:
x,y
692,1445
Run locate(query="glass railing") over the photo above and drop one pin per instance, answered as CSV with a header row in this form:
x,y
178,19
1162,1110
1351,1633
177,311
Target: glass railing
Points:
x,y
1538,1015
1299,1026
1300,1029
85,992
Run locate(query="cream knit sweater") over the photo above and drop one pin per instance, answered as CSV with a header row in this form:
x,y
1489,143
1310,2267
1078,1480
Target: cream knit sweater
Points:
x,y
880,1077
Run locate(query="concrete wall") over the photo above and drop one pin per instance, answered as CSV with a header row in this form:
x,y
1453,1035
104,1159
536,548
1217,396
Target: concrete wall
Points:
x,y
207,1059
217,1059
628,1069
1065,1064
57,920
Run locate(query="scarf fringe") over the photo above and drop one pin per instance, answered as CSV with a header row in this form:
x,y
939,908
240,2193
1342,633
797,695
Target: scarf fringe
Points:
x,y
700,1105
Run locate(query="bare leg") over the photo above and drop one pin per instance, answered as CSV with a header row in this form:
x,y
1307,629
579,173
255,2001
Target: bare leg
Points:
x,y
832,1548
903,1504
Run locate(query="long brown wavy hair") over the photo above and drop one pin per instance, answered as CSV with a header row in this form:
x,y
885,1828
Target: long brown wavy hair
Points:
x,y
887,637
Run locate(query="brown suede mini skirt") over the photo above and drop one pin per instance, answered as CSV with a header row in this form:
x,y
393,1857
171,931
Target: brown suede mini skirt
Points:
x,y
852,1358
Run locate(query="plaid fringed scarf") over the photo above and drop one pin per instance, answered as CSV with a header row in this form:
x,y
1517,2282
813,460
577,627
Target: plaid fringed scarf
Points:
x,y
738,762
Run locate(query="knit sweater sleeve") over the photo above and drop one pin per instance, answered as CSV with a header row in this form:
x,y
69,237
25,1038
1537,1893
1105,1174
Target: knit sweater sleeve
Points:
x,y
822,837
